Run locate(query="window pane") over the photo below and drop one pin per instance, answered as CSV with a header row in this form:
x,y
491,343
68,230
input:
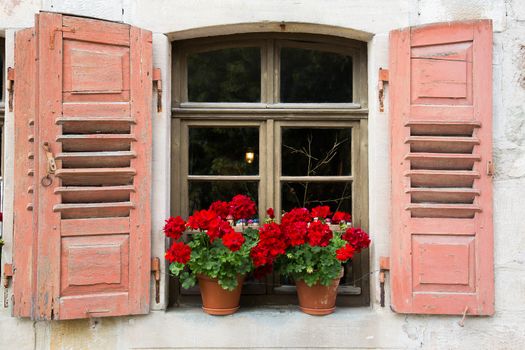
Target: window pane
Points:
x,y
203,193
337,195
224,151
316,152
315,76
228,75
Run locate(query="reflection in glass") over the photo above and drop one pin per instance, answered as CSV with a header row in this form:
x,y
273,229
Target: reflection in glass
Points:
x,y
203,193
337,195
315,76
223,151
227,75
316,152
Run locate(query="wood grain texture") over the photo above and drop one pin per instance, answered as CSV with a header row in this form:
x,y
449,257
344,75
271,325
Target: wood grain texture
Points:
x,y
441,131
24,186
49,108
140,218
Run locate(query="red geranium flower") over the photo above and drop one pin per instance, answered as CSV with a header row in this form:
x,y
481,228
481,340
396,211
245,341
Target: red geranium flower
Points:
x,y
357,238
202,219
341,216
319,234
260,255
218,228
296,233
221,208
178,252
321,211
233,240
242,207
272,243
345,253
296,214
174,227
270,213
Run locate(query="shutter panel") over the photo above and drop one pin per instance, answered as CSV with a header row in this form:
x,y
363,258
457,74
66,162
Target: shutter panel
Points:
x,y
441,148
91,226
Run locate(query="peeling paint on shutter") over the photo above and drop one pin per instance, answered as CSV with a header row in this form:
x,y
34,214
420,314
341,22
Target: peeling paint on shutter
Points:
x,y
92,224
441,123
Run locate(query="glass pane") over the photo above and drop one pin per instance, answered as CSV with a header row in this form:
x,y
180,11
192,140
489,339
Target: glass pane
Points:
x,y
315,76
337,195
316,152
203,193
224,151
227,75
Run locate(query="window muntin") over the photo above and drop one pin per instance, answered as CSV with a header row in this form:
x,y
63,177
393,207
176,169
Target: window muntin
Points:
x,y
225,75
272,118
309,76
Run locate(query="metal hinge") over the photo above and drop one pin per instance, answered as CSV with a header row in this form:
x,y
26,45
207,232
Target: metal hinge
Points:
x,y
10,87
490,168
7,275
384,265
158,79
155,269
383,78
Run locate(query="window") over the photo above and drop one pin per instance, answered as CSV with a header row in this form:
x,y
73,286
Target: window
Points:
x,y
281,118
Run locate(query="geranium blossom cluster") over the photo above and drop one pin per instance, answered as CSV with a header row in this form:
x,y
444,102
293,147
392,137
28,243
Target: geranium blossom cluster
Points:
x,y
356,239
213,222
303,227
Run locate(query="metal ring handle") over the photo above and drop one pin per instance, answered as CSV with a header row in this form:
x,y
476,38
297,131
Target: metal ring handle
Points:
x,y
46,181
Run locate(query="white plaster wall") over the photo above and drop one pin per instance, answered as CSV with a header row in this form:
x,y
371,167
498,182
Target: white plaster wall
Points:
x,y
369,327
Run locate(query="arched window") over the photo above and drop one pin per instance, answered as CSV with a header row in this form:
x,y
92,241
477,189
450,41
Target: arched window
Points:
x,y
281,118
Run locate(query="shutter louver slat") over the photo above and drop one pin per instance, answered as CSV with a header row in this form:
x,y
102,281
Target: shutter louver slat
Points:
x,y
91,223
96,159
96,142
440,103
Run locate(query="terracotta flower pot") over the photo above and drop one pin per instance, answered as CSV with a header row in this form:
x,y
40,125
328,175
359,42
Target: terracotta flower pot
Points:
x,y
215,299
317,300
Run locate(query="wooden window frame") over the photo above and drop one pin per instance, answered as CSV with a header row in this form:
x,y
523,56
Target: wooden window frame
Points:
x,y
270,115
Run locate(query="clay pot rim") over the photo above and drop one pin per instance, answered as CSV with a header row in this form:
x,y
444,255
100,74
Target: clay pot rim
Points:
x,y
341,274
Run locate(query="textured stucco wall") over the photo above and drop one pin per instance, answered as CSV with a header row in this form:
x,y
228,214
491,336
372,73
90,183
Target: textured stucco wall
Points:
x,y
372,327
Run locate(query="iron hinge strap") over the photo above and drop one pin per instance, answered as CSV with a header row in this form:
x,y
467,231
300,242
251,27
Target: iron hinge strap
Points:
x,y
7,275
384,265
383,78
155,269
10,87
157,78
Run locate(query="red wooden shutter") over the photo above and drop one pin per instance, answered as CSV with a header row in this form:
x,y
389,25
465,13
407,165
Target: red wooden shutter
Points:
x,y
441,108
82,242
